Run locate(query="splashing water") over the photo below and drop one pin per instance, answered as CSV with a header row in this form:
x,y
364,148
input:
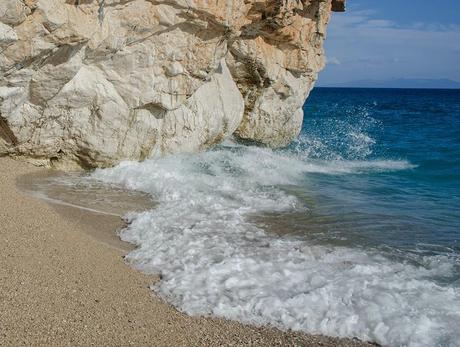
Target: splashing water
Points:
x,y
326,236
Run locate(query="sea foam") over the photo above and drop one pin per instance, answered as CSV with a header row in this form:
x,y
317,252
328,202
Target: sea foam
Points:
x,y
213,260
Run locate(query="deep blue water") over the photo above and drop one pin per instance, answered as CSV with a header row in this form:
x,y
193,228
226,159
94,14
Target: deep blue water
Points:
x,y
417,208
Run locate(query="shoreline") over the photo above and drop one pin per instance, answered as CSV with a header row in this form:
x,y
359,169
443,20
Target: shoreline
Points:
x,y
102,226
64,282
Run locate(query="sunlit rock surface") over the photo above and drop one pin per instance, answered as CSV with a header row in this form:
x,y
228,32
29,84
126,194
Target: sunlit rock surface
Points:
x,y
90,83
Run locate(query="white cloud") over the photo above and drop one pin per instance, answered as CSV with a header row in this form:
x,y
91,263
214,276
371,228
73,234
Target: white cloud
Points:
x,y
332,61
360,45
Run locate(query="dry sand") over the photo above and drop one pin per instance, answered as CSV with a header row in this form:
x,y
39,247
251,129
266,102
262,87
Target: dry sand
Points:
x,y
60,286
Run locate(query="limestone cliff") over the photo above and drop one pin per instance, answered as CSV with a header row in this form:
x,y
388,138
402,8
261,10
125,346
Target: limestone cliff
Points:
x,y
93,82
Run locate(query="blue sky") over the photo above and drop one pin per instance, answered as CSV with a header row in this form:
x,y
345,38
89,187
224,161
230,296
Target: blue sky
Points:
x,y
385,39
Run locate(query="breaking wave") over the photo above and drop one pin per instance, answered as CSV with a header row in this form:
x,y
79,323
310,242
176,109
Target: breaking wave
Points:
x,y
214,260
337,234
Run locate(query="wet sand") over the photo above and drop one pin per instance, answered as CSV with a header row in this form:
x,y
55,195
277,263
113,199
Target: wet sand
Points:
x,y
63,282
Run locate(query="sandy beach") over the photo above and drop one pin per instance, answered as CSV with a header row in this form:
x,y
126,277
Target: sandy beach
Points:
x,y
62,285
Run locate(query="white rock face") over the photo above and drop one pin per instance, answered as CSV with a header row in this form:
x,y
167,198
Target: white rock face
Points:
x,y
92,82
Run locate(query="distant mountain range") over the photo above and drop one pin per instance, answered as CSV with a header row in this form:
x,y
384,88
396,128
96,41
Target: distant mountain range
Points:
x,y
399,83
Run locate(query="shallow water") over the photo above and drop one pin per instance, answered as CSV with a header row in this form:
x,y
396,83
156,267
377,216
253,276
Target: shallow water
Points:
x,y
353,230
80,191
90,206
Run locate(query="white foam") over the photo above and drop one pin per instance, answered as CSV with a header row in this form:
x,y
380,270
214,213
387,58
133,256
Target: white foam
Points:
x,y
357,166
214,261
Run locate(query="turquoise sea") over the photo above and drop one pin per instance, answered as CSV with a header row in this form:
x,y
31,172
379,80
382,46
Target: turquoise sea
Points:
x,y
414,210
352,230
